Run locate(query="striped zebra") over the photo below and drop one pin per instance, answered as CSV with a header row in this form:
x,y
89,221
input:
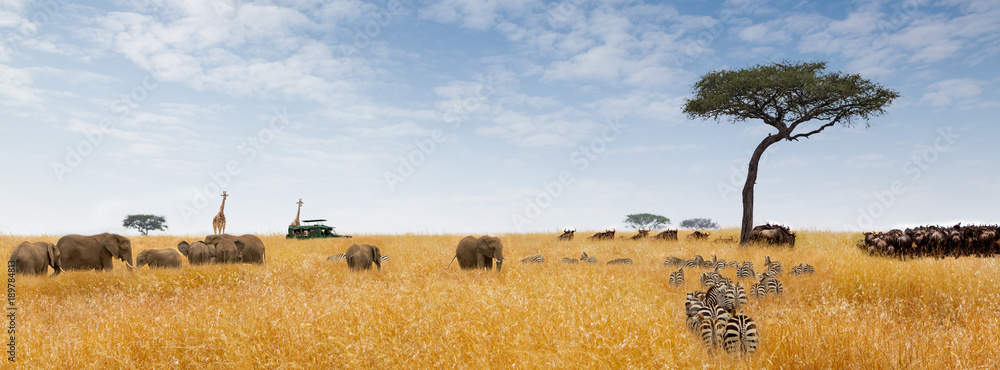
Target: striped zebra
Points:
x,y
533,259
766,286
696,262
712,326
384,257
677,277
740,337
736,298
734,264
620,261
588,259
746,271
337,257
673,261
773,265
570,260
802,268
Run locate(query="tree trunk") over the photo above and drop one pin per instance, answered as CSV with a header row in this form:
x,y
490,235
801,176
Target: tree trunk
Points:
x,y
748,187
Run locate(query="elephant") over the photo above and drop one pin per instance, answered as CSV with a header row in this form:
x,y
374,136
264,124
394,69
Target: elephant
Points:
x,y
158,258
197,253
473,252
361,257
226,252
35,258
93,252
249,246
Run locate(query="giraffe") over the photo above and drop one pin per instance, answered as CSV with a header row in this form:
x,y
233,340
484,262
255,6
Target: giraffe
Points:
x,y
219,222
297,213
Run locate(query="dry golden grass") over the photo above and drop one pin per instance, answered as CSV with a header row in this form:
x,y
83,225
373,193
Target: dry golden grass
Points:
x,y
301,311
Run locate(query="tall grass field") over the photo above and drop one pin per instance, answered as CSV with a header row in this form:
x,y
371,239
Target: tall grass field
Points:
x,y
301,311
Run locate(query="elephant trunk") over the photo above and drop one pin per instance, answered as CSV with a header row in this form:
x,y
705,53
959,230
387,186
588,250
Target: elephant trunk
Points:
x,y
499,264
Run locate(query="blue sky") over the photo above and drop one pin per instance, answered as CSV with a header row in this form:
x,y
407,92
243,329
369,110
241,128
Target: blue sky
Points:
x,y
470,116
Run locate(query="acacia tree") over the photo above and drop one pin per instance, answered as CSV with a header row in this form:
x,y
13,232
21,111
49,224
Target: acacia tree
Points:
x,y
145,223
646,221
785,95
699,223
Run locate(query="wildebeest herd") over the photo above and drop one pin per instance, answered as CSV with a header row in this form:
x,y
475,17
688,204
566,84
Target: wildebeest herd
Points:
x,y
934,241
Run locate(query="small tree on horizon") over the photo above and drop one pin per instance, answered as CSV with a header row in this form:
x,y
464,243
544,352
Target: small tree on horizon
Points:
x,y
145,223
699,223
647,221
785,95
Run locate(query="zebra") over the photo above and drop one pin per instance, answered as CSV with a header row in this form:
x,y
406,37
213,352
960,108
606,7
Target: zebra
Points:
x,y
745,271
585,258
337,257
620,261
712,326
696,262
803,269
773,265
677,277
741,335
384,257
533,259
766,286
736,298
673,261
570,260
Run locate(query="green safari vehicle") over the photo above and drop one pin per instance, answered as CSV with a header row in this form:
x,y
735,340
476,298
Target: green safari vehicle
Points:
x,y
314,229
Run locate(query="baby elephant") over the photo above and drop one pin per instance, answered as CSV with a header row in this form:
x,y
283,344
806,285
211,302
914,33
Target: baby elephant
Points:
x,y
35,258
361,257
159,258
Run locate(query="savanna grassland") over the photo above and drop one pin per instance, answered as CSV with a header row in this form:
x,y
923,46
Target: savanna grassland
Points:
x,y
301,311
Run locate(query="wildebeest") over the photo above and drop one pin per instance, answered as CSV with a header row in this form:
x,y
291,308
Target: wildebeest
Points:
x,y
666,235
772,234
936,241
698,235
642,234
604,235
567,234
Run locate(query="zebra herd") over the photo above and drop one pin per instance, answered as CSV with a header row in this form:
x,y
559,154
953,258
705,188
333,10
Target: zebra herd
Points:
x,y
716,314
583,258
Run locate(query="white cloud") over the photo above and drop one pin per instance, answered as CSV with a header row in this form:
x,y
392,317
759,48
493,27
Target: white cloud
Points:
x,y
946,92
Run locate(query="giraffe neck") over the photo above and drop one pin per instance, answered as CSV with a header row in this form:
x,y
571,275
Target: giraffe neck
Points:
x,y
223,206
297,213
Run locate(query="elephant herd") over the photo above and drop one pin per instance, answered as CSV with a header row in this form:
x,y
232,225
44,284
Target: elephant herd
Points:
x,y
96,252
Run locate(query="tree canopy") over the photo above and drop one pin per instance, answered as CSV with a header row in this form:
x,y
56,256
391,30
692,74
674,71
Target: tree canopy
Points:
x,y
646,221
145,223
785,95
699,223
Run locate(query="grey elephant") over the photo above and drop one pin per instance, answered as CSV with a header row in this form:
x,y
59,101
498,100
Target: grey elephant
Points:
x,y
197,253
158,258
35,258
93,252
249,246
226,252
473,252
361,257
